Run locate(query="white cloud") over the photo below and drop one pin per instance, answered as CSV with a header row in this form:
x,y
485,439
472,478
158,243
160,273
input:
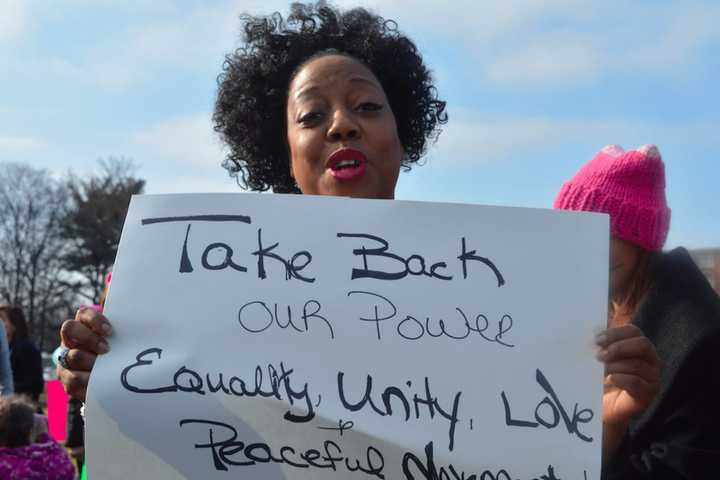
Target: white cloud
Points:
x,y
554,60
670,45
473,20
188,153
514,43
188,140
210,183
681,42
177,37
14,19
467,141
111,75
17,144
171,34
536,43
190,37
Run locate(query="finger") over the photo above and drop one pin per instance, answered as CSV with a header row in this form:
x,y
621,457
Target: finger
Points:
x,y
612,335
80,360
647,371
76,335
94,320
635,386
75,382
635,347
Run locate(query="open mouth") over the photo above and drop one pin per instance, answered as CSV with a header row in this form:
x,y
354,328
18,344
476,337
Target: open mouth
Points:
x,y
347,164
342,164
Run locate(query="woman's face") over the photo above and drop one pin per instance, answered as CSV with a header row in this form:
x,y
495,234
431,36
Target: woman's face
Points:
x,y
341,131
624,257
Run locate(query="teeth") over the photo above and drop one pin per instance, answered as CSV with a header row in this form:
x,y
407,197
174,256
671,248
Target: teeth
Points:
x,y
347,163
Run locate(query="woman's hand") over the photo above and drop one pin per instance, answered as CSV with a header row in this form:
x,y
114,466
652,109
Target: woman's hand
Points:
x,y
632,373
632,380
86,338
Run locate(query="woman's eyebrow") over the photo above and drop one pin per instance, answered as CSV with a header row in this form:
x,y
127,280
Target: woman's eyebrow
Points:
x,y
313,90
308,91
365,80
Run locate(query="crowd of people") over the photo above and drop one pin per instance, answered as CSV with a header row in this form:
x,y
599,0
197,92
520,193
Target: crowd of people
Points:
x,y
323,84
27,451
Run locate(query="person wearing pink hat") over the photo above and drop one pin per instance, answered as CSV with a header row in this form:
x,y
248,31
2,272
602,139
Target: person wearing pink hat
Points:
x,y
676,434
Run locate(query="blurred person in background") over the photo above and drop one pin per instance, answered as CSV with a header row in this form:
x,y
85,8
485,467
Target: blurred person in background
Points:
x,y
6,379
25,359
27,452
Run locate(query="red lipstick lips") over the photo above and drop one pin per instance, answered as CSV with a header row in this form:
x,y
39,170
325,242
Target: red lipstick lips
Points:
x,y
347,164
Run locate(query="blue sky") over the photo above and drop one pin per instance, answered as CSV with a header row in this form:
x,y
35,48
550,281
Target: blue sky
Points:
x,y
534,89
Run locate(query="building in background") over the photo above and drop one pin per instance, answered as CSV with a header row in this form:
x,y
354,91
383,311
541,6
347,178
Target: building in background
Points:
x,y
708,259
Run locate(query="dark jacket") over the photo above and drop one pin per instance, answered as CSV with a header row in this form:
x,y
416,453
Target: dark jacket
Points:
x,y
27,368
678,437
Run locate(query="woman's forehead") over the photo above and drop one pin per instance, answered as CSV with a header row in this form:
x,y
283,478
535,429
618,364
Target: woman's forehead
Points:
x,y
329,69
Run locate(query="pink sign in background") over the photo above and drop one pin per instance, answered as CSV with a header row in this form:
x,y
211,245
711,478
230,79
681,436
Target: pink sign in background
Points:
x,y
57,401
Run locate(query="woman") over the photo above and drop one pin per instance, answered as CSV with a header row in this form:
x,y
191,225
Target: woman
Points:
x,y
25,359
325,103
6,379
668,298
27,452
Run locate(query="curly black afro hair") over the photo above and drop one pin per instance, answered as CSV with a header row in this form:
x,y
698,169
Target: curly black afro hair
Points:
x,y
250,110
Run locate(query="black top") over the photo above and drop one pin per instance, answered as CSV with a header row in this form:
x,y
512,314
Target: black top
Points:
x,y
27,368
678,437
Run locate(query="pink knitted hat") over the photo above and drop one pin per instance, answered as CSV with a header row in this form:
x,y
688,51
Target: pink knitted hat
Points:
x,y
630,187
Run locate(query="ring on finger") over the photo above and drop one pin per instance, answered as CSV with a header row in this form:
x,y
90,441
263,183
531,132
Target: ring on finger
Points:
x,y
63,358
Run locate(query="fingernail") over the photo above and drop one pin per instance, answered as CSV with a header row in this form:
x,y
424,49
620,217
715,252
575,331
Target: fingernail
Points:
x,y
601,338
601,354
103,347
106,328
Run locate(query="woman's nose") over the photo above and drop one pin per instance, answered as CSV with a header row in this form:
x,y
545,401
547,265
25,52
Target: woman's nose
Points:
x,y
343,127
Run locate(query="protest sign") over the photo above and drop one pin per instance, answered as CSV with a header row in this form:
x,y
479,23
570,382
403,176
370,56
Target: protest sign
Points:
x,y
296,337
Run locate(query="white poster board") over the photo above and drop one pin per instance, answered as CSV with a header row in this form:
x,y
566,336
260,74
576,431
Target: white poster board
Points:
x,y
295,337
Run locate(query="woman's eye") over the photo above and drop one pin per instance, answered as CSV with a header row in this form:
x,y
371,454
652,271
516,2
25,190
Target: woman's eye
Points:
x,y
369,107
310,117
